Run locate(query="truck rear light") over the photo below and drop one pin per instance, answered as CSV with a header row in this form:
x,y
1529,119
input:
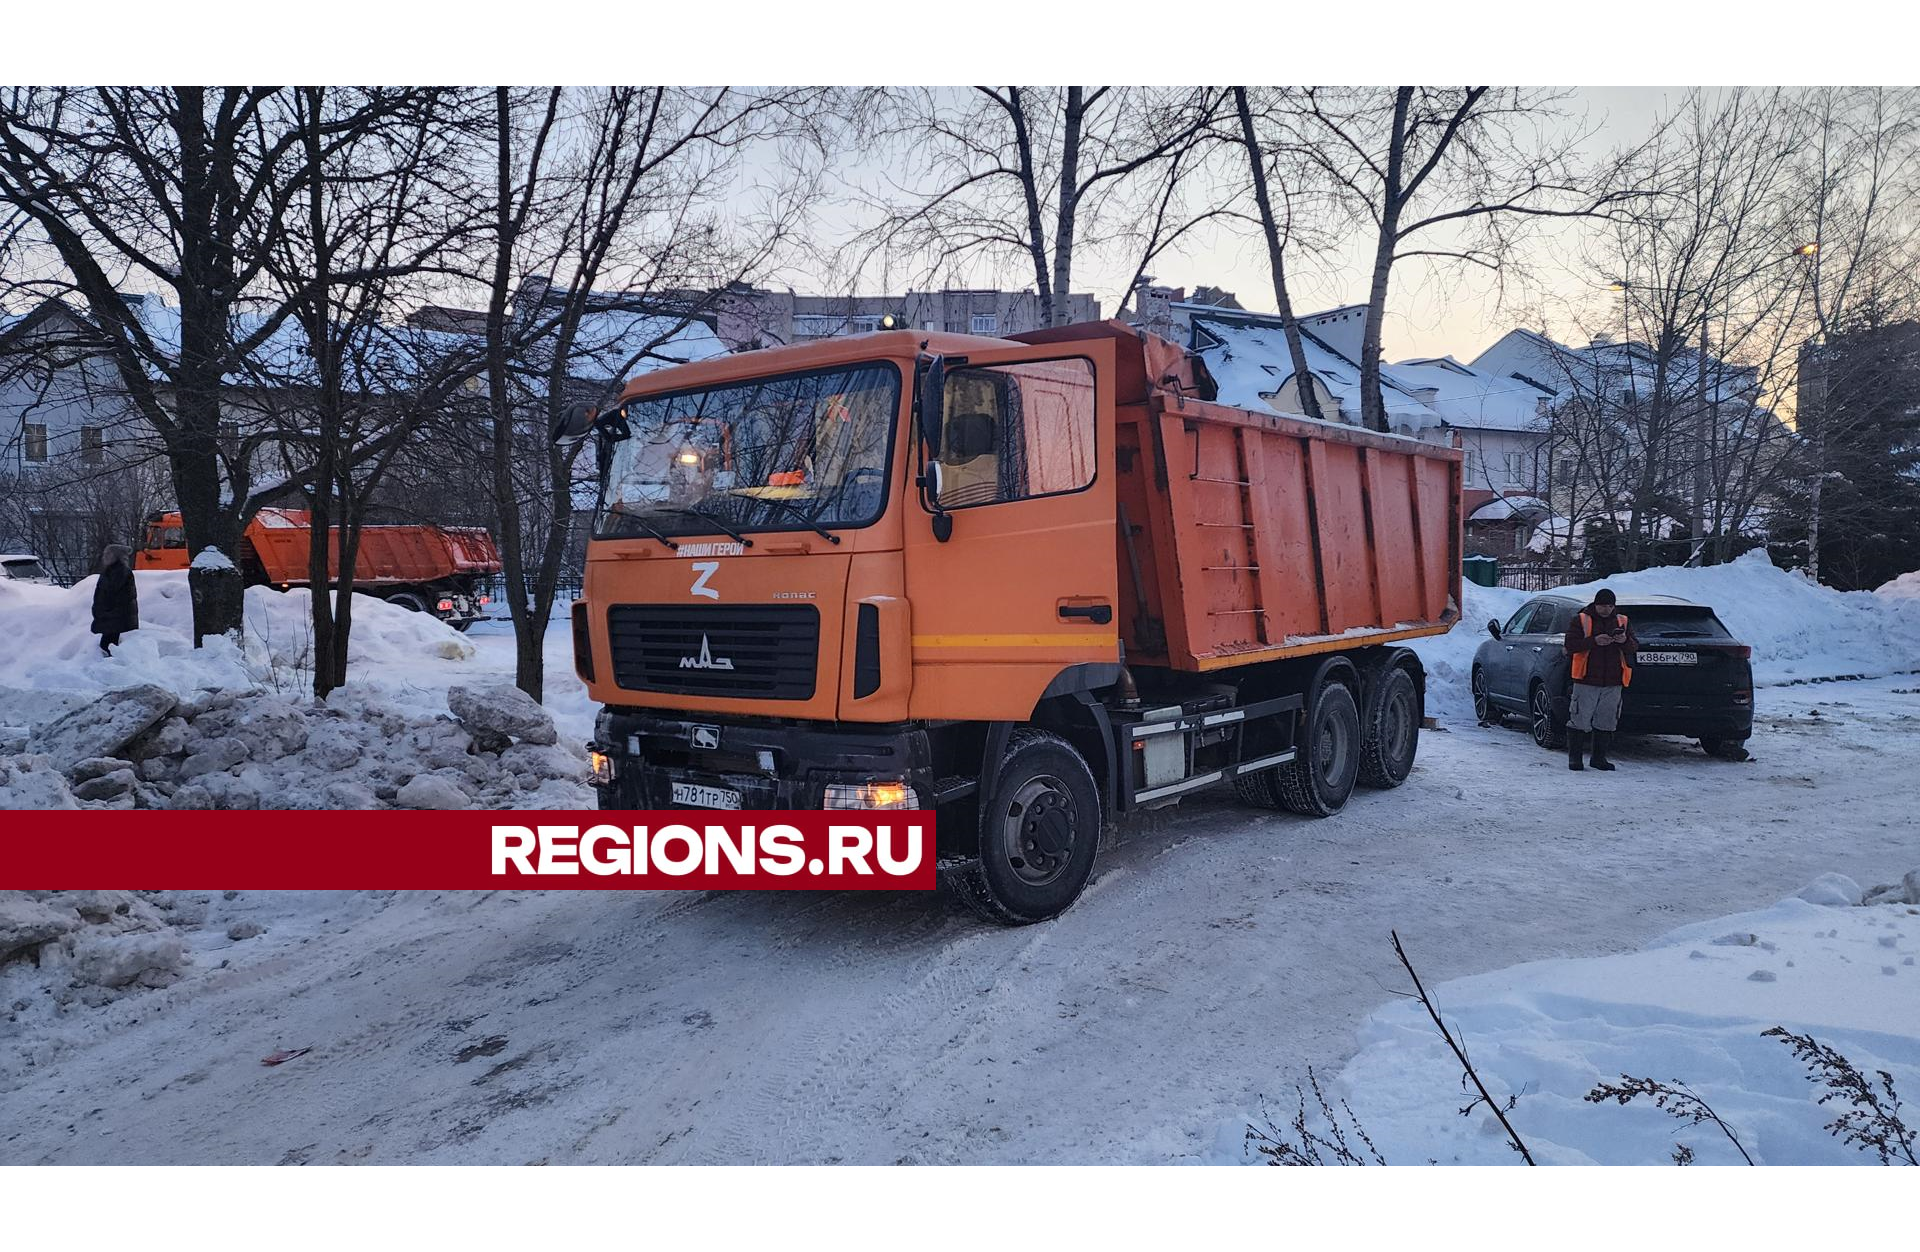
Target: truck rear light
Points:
x,y
876,795
446,606
486,599
1743,697
582,643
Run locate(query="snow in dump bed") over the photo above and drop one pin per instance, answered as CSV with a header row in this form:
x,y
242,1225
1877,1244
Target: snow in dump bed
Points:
x,y
1798,629
1689,1008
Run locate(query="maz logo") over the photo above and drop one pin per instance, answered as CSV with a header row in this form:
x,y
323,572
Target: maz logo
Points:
x,y
705,570
706,659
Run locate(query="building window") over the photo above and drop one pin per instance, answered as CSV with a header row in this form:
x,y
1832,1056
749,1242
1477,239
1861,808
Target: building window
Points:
x,y
36,441
986,323
1467,467
1513,468
91,445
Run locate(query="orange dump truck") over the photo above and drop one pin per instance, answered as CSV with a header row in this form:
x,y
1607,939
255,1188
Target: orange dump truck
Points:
x,y
429,569
1031,583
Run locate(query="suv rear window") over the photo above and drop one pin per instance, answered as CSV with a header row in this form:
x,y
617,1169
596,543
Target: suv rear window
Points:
x,y
1674,621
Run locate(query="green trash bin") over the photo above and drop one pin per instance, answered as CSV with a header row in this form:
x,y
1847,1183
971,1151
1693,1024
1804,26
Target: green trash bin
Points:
x,y
1483,570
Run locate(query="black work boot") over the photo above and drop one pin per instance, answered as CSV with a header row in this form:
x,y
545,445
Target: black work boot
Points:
x,y
1576,743
1601,738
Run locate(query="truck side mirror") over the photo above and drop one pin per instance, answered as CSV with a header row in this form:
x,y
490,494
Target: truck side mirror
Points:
x,y
573,423
932,404
930,489
1493,627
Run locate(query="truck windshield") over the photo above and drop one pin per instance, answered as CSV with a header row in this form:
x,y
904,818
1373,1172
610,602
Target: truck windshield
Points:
x,y
783,453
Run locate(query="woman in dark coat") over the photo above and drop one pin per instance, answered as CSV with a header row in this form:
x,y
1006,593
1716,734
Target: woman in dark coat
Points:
x,y
116,602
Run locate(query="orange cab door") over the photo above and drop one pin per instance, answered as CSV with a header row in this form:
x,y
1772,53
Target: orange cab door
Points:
x,y
1026,583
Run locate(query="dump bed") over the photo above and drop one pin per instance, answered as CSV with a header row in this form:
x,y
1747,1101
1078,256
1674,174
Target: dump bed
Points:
x,y
404,554
1251,536
388,554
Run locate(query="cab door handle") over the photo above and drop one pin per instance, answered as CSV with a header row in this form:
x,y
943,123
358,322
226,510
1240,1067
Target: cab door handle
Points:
x,y
1098,614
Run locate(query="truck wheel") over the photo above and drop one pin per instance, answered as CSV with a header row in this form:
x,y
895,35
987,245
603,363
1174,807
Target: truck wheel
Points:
x,y
1320,777
1261,788
1390,729
1039,829
408,601
1549,730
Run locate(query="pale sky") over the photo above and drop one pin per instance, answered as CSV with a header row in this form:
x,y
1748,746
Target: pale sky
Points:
x,y
1460,314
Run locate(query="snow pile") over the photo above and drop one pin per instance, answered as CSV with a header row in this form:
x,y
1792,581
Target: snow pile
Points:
x,y
89,946
1690,1009
50,647
1905,587
1798,629
143,748
75,965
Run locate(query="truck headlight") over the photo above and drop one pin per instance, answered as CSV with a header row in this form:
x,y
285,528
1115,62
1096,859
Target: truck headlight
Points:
x,y
874,795
600,768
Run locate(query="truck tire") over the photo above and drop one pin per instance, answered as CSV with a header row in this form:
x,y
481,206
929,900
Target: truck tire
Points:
x,y
1261,788
1039,830
1321,776
1390,729
407,600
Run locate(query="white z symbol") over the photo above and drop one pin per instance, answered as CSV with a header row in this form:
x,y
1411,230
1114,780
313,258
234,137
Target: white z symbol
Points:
x,y
706,570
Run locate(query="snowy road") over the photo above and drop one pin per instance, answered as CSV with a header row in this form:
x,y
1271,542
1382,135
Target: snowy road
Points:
x,y
1219,952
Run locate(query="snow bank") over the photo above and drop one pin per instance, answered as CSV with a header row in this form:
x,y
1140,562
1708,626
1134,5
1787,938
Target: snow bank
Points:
x,y
1799,630
50,648
1905,587
1689,1008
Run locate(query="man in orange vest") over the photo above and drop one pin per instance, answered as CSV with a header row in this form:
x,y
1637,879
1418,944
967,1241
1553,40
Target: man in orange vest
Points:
x,y
1600,641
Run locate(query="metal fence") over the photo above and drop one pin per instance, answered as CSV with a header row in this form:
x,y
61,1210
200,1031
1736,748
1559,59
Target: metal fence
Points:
x,y
1539,576
495,589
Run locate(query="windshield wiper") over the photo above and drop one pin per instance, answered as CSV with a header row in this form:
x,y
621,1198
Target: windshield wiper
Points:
x,y
633,519
806,519
693,510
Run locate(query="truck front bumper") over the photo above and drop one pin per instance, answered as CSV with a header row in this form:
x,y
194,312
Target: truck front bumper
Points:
x,y
768,764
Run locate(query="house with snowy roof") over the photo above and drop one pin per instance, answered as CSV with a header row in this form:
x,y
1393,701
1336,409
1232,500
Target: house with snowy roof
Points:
x,y
80,466
1600,416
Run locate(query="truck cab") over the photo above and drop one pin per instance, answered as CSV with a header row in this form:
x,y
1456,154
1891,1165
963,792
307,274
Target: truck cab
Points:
x,y
886,571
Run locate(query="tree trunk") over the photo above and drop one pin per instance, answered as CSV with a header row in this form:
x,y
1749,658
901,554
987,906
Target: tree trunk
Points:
x,y
1063,231
1276,260
1373,409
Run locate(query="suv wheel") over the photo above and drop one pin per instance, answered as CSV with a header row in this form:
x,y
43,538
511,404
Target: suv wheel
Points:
x,y
1548,730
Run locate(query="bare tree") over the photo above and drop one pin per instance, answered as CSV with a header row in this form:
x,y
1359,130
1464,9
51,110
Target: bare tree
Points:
x,y
178,191
1860,168
1277,231
351,385
1034,175
1444,174
605,240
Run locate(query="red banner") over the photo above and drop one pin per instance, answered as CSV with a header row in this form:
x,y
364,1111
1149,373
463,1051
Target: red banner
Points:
x,y
400,849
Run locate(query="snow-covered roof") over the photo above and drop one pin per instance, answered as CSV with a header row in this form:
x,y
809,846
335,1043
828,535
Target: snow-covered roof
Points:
x,y
1248,357
1565,371
1472,399
1501,508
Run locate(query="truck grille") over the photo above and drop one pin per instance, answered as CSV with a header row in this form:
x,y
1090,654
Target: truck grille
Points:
x,y
751,651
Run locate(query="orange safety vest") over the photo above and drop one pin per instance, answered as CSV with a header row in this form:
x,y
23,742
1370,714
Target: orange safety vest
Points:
x,y
1580,658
